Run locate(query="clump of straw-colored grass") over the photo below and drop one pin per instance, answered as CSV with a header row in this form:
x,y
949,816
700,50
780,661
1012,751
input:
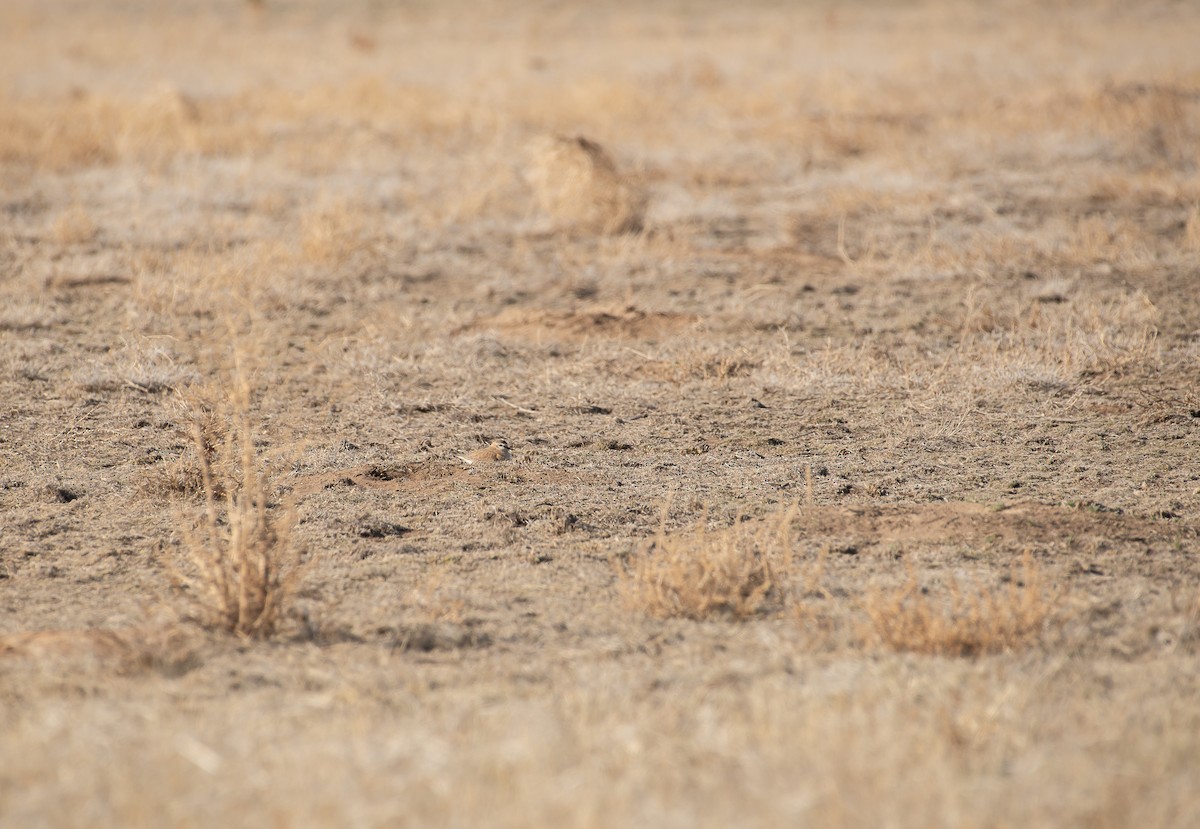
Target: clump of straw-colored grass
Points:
x,y
963,621
737,572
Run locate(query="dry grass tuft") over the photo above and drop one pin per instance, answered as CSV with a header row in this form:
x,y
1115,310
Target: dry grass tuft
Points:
x,y
968,621
736,572
720,368
74,226
577,184
167,648
333,235
244,565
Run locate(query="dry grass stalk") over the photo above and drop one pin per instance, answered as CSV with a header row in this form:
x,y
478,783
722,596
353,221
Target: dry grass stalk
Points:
x,y
735,572
578,185
968,621
246,567
207,430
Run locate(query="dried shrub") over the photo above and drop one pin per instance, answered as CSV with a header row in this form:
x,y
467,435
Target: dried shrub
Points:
x,y
963,620
244,566
577,184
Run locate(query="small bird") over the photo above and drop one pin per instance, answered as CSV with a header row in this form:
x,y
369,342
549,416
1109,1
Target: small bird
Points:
x,y
497,450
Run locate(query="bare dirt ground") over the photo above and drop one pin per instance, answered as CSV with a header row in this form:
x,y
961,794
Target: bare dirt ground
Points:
x,y
853,401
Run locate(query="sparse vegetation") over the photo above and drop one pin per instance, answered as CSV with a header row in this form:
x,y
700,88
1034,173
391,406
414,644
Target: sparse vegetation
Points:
x,y
926,268
244,562
963,619
735,572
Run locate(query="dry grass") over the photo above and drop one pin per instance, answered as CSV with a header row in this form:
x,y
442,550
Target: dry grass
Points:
x,y
245,566
577,184
333,234
1192,229
736,572
205,434
963,620
168,647
875,246
74,226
